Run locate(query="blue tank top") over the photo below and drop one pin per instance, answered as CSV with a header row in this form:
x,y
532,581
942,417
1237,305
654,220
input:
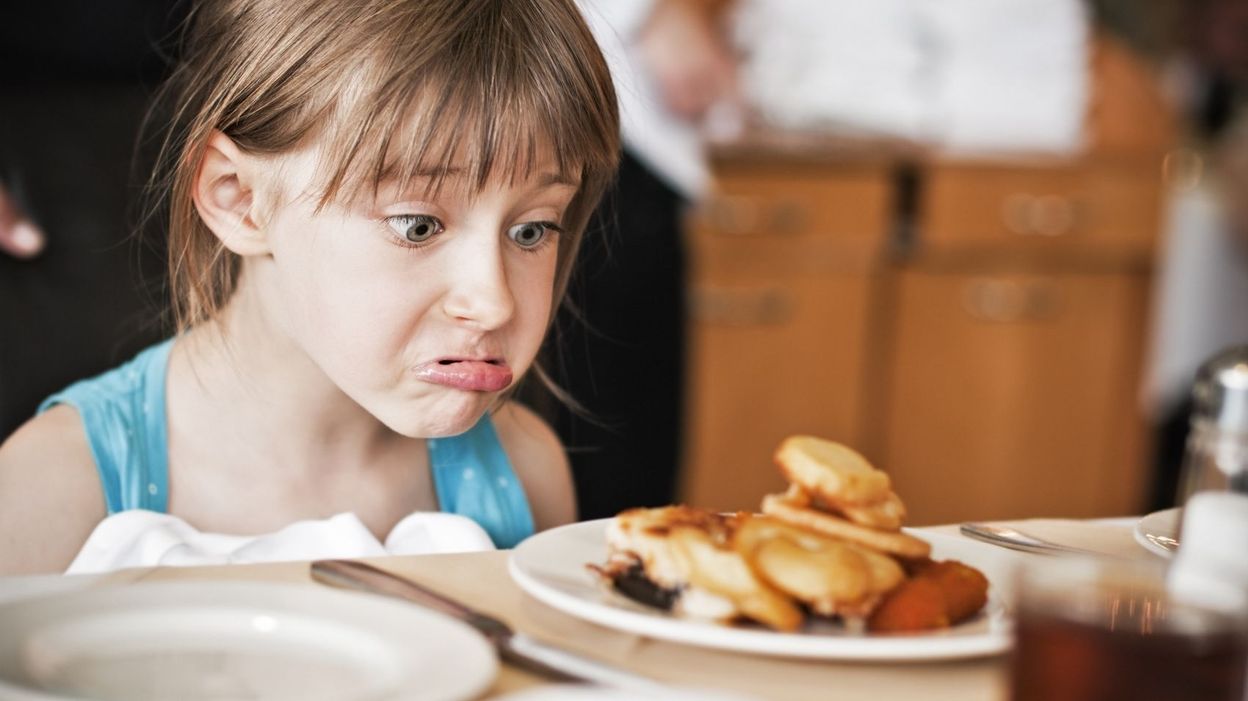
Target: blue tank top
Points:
x,y
123,413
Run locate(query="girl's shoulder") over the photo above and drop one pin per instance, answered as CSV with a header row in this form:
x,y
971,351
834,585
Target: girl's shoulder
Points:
x,y
50,495
64,470
540,463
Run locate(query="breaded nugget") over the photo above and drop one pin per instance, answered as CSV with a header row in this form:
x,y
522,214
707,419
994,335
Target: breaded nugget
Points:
x,y
964,588
937,595
831,471
917,604
893,543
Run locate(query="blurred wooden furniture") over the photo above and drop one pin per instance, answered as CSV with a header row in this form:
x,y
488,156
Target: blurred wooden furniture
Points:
x,y
783,264
975,328
1011,371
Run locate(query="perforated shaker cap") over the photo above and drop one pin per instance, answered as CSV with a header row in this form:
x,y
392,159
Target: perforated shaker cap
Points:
x,y
1221,390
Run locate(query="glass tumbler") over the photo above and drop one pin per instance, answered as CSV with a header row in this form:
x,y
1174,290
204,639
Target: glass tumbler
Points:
x,y
1106,630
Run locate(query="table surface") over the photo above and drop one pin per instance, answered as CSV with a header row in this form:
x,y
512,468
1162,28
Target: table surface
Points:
x,y
481,580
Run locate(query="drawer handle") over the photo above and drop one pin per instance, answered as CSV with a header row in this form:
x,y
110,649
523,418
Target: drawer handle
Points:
x,y
1011,301
738,215
765,306
1040,215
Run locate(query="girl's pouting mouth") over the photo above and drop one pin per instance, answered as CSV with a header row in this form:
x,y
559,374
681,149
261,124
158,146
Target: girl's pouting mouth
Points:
x,y
472,374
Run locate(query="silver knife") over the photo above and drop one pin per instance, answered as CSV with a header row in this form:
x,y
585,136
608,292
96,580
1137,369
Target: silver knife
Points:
x,y
514,648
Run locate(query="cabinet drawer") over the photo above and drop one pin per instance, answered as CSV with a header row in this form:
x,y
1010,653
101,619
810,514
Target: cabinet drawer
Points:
x,y
792,223
852,204
1088,208
726,258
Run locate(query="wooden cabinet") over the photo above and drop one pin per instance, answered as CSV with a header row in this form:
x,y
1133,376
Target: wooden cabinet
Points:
x,y
783,268
1013,394
975,329
1015,340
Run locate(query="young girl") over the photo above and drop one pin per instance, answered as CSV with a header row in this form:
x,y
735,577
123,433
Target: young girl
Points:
x,y
373,206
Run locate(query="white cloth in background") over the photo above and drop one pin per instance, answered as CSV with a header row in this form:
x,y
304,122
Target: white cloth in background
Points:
x,y
1201,297
669,146
967,76
842,65
139,538
1008,74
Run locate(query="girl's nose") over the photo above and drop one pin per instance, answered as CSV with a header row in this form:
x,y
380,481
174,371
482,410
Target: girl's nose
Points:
x,y
477,290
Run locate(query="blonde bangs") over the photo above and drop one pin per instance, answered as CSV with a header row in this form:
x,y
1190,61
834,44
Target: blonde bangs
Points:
x,y
490,102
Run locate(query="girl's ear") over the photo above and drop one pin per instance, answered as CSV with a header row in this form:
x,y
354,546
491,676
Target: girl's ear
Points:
x,y
223,194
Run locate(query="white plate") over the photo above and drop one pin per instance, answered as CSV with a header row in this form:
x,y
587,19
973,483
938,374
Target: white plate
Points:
x,y
551,567
1159,531
192,640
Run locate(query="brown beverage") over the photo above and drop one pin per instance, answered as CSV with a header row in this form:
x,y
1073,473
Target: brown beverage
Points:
x,y
1103,643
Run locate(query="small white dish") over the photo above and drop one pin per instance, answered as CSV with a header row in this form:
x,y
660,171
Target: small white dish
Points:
x,y
1158,532
551,567
193,640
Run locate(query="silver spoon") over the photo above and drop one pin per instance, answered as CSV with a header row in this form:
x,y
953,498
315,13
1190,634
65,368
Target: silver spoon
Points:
x,y
1014,539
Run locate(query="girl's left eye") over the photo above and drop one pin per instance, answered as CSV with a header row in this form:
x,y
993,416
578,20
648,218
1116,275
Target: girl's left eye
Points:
x,y
531,234
415,228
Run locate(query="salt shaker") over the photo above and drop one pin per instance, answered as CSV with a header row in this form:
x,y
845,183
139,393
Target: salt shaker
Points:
x,y
1216,456
1210,568
1211,565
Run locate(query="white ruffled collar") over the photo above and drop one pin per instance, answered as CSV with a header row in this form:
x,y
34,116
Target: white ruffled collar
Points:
x,y
140,538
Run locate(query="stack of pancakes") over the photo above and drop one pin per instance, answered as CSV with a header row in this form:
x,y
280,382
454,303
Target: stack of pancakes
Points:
x,y
829,547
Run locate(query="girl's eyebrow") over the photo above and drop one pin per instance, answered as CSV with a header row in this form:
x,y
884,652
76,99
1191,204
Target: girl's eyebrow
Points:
x,y
391,173
548,179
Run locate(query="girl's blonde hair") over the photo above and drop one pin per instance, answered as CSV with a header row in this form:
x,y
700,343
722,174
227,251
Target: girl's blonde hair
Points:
x,y
392,88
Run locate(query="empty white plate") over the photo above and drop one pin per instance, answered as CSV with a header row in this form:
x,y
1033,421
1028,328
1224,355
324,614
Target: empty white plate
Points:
x,y
193,640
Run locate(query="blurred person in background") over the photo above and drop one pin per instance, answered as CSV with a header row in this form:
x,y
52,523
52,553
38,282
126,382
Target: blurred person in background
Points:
x,y
618,346
73,92
1202,289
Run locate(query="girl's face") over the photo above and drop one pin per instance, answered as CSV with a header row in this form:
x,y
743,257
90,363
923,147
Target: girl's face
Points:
x,y
422,307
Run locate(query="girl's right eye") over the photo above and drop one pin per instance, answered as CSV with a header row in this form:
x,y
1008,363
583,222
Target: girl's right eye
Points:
x,y
415,228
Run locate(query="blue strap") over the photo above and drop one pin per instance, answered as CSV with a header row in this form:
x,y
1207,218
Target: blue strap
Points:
x,y
123,415
474,478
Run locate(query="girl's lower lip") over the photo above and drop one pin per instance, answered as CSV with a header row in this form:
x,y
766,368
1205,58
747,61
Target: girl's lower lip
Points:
x,y
471,375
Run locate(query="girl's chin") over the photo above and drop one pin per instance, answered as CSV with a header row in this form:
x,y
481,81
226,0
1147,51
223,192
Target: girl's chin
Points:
x,y
438,422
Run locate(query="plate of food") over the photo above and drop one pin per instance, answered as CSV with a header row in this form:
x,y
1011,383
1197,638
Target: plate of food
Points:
x,y
825,570
213,640
1158,532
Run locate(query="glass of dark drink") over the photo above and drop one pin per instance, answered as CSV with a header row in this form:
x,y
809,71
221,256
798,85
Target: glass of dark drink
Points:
x,y
1092,629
